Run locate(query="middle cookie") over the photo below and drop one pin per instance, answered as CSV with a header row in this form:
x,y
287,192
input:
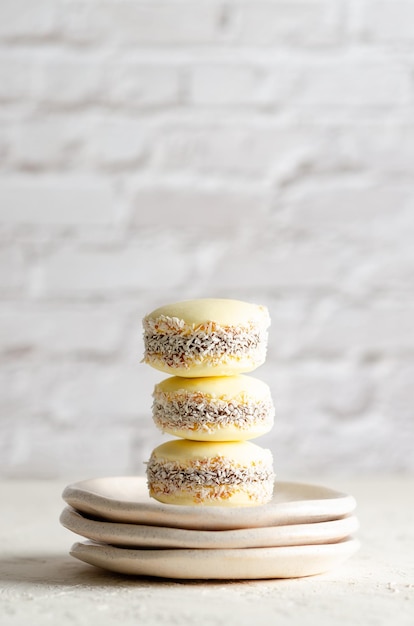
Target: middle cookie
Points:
x,y
228,408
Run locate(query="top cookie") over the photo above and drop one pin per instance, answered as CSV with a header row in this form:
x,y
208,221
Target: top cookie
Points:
x,y
206,337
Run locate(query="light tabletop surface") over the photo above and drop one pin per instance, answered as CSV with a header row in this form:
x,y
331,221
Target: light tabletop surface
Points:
x,y
41,584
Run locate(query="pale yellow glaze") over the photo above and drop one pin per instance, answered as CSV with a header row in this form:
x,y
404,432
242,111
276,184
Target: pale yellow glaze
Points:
x,y
231,367
183,498
241,453
222,311
224,434
240,388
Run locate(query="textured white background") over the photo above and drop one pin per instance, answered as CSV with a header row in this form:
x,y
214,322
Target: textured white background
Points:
x,y
156,151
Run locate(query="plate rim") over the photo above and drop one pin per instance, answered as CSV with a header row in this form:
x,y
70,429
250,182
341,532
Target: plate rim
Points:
x,y
128,535
91,502
169,563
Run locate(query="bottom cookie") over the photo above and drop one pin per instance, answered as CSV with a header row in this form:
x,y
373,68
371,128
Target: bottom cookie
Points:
x,y
211,473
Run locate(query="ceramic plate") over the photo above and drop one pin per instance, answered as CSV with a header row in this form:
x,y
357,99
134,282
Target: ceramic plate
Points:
x,y
137,535
249,563
126,499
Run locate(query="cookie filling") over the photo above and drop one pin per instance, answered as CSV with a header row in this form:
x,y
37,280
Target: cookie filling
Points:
x,y
213,478
197,413
180,345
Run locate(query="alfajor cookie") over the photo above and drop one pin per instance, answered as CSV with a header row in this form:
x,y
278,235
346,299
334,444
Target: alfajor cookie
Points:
x,y
237,473
229,408
206,337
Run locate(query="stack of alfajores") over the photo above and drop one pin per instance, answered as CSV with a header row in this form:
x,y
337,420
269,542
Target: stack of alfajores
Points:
x,y
209,404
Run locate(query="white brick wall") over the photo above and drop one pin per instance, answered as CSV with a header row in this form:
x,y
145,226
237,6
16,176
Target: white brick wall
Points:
x,y
154,151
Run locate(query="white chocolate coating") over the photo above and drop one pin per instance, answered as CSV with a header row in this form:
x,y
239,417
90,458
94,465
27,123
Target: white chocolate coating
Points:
x,y
223,387
222,311
241,453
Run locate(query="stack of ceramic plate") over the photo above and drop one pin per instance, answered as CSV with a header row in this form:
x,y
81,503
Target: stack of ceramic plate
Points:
x,y
305,529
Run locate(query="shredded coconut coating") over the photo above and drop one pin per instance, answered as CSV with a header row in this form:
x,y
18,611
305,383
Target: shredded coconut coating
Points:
x,y
196,412
210,479
180,345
